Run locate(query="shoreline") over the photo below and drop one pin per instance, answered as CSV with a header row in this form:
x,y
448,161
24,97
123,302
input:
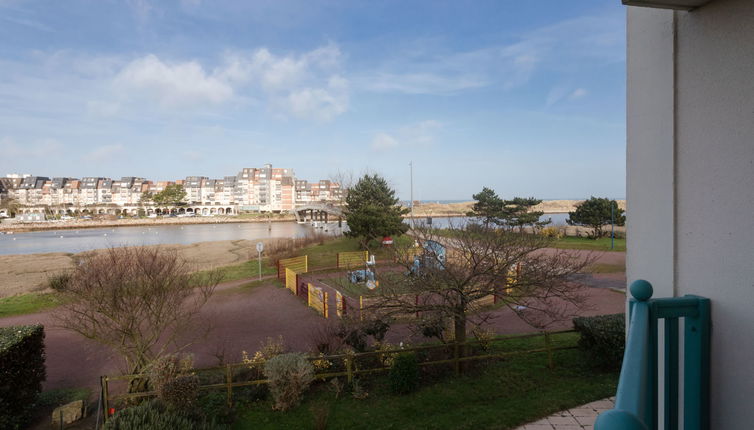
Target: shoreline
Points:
x,y
434,210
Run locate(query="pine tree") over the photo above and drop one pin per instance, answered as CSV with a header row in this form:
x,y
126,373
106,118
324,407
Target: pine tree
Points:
x,y
372,210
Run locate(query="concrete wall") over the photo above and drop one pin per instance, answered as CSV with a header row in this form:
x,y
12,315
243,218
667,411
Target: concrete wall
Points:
x,y
710,153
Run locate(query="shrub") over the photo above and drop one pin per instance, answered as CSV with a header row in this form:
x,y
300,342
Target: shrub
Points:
x,y
603,339
289,376
152,415
59,282
174,382
62,396
22,370
377,328
551,232
404,373
214,406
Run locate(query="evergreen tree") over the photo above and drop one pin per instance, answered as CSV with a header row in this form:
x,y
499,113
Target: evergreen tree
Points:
x,y
518,213
488,207
597,213
372,210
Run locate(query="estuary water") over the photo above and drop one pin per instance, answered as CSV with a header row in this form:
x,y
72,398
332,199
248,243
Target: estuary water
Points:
x,y
86,239
73,241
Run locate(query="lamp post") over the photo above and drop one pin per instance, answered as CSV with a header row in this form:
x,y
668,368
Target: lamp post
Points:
x,y
612,224
411,167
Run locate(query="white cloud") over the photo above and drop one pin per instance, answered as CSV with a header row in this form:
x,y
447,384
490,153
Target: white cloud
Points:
x,y
563,47
104,153
173,85
420,134
383,141
564,92
307,85
33,149
578,93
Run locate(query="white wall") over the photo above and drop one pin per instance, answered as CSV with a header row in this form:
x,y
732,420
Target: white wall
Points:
x,y
712,183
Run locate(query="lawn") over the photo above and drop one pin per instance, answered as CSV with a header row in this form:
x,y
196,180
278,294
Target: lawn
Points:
x,y
325,255
28,304
501,395
601,244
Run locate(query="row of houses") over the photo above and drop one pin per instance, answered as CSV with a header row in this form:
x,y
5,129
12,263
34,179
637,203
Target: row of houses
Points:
x,y
264,189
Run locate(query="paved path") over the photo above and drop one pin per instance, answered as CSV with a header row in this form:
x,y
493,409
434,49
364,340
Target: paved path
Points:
x,y
581,418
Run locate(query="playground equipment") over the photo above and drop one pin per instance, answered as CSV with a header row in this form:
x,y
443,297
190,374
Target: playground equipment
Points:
x,y
364,275
433,256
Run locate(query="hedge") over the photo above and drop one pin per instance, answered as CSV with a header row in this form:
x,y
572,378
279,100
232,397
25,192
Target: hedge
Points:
x,y
603,339
22,370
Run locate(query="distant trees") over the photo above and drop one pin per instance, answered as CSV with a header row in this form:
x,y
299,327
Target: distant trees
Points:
x,y
596,213
372,210
173,194
515,213
10,205
142,302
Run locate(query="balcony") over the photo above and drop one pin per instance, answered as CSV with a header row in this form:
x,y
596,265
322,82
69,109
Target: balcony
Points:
x,y
681,377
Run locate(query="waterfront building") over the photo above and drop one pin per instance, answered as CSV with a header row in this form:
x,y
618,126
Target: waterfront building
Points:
x,y
253,189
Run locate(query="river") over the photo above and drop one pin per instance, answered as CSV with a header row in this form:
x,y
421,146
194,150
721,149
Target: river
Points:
x,y
74,241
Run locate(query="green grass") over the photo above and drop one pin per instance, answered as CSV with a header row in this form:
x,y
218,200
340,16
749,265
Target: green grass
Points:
x,y
248,269
28,303
601,244
606,268
325,255
62,396
501,395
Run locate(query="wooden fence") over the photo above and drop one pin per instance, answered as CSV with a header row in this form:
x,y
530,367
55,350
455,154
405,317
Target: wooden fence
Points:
x,y
350,260
318,300
297,264
350,364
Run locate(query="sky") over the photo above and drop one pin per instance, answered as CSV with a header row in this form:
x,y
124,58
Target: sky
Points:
x,y
527,98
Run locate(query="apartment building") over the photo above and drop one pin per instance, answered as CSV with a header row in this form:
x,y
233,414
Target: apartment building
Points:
x,y
255,189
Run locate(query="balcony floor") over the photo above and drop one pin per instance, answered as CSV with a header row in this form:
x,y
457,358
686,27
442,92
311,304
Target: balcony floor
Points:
x,y
581,418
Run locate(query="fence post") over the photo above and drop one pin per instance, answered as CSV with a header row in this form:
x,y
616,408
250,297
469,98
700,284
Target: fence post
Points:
x,y
349,368
105,395
361,308
456,357
229,382
548,346
326,304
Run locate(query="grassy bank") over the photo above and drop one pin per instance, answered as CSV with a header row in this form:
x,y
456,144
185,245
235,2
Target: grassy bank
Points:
x,y
28,304
501,395
601,244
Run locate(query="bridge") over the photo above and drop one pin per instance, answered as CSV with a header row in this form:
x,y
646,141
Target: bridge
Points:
x,y
317,212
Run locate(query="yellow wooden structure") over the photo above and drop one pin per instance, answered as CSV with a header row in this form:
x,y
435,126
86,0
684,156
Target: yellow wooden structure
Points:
x,y
349,260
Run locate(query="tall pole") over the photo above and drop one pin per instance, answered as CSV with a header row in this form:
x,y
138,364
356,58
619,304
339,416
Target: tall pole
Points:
x,y
612,224
411,167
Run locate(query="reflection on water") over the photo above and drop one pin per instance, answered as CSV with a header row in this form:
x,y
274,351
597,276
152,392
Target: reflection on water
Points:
x,y
98,238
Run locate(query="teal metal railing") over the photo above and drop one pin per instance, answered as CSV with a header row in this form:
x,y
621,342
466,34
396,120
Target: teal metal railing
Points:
x,y
637,399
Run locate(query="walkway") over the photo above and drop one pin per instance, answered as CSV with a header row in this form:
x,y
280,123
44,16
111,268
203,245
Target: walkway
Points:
x,y
581,418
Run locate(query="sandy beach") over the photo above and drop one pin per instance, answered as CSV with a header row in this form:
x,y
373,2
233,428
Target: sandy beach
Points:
x,y
21,274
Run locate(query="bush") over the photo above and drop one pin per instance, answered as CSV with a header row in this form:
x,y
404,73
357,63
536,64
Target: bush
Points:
x,y
603,339
289,376
173,381
214,406
551,232
22,370
404,373
152,415
59,282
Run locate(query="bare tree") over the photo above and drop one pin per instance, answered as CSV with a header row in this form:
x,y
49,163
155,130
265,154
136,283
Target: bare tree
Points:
x,y
476,264
346,180
142,302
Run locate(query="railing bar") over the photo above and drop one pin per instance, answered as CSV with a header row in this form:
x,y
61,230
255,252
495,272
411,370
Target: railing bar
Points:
x,y
671,373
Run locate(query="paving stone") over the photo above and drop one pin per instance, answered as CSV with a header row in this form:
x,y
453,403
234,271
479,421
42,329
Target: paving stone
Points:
x,y
569,420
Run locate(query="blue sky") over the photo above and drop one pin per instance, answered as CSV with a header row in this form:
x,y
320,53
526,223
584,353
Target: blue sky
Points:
x,y
525,97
